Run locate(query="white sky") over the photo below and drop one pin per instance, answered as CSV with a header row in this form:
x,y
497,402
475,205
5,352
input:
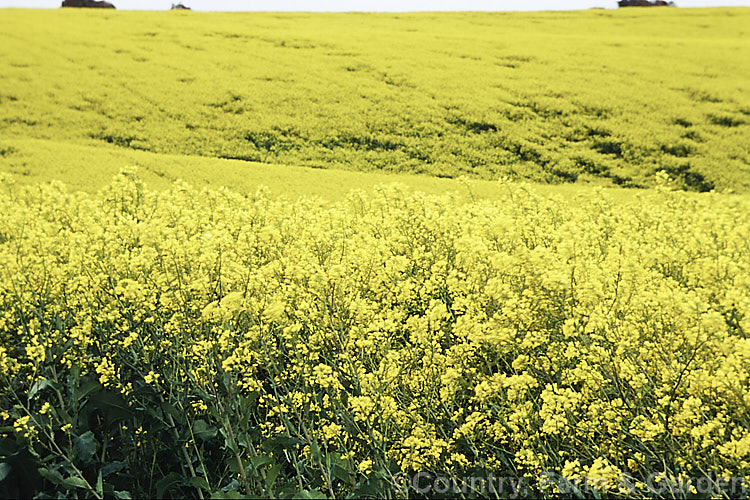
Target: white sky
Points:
x,y
369,5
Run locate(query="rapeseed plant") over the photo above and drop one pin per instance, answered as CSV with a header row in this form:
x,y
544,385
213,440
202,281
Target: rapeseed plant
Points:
x,y
208,342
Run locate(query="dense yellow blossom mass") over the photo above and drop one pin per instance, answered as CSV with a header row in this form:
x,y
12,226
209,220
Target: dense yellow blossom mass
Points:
x,y
275,346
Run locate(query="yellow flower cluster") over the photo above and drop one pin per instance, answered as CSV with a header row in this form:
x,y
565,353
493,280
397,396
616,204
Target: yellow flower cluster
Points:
x,y
24,427
587,337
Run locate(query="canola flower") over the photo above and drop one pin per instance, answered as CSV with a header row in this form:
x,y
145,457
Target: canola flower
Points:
x,y
256,345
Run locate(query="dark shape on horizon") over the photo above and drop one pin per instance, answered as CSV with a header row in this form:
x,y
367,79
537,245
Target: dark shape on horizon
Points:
x,y
645,3
179,6
87,4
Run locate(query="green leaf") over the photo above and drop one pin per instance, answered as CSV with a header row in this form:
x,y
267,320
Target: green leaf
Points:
x,y
89,387
204,431
214,410
73,483
228,443
200,483
4,470
112,404
166,483
315,451
112,468
38,386
233,466
311,494
177,415
100,484
243,441
122,495
279,442
369,488
342,474
260,461
233,485
334,459
272,475
85,446
248,403
51,475
226,495
8,447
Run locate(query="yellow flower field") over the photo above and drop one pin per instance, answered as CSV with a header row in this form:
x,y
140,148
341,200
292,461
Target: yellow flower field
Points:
x,y
400,313
205,342
598,96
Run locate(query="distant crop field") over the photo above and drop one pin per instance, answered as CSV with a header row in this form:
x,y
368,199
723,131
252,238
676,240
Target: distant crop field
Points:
x,y
610,97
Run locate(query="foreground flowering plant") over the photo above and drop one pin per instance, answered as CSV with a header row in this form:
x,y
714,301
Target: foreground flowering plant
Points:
x,y
207,343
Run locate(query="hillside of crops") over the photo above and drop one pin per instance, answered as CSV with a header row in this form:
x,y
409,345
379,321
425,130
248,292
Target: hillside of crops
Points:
x,y
90,167
609,97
